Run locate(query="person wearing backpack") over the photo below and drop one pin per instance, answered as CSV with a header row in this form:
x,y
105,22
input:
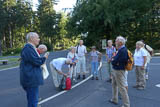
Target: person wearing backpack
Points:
x,y
110,53
94,55
118,79
73,56
149,52
81,52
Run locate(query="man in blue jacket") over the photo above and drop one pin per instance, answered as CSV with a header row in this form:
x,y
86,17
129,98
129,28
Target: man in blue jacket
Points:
x,y
119,62
30,69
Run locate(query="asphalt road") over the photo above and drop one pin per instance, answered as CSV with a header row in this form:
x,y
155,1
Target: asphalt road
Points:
x,y
91,93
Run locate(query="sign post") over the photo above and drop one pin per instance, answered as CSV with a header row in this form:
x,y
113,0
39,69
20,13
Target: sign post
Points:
x,y
104,44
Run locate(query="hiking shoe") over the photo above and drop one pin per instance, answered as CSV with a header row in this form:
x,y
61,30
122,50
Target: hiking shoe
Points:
x,y
140,88
79,77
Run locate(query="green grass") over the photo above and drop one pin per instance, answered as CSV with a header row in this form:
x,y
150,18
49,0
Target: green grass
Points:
x,y
12,62
9,66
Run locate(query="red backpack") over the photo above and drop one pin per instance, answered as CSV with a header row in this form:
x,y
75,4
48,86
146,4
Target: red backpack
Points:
x,y
68,83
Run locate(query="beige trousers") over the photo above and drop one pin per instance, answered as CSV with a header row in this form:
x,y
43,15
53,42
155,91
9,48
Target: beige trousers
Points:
x,y
118,82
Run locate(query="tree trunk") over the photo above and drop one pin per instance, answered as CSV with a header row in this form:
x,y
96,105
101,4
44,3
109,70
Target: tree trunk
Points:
x,y
10,36
4,42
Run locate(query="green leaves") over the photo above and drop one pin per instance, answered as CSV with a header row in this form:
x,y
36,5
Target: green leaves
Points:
x,y
110,18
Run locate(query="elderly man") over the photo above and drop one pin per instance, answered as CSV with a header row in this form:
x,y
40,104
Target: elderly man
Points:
x,y
30,69
110,53
118,80
81,51
56,69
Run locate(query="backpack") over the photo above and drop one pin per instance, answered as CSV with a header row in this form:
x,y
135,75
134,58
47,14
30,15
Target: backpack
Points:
x,y
130,62
68,83
62,85
77,49
150,52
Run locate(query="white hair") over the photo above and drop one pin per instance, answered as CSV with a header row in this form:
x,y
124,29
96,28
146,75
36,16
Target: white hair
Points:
x,y
72,47
31,35
80,40
140,43
109,41
42,46
121,39
68,61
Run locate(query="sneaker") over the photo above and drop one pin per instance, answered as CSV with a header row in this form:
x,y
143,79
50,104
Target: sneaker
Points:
x,y
79,77
97,78
146,77
140,88
113,102
84,77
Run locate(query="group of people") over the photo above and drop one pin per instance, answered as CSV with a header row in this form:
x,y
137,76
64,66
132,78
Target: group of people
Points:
x,y
76,61
117,57
31,70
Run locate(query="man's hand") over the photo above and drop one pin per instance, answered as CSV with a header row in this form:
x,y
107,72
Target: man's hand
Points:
x,y
46,55
109,60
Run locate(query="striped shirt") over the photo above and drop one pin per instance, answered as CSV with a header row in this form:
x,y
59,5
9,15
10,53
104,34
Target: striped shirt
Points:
x,y
110,51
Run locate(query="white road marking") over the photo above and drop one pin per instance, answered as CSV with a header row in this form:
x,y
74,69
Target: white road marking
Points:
x,y
158,85
60,93
9,68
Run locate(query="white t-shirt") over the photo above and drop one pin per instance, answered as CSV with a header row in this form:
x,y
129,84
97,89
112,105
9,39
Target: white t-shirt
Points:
x,y
58,63
139,57
81,50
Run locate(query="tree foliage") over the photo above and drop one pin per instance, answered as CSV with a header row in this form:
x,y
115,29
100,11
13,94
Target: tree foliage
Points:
x,y
106,19
17,19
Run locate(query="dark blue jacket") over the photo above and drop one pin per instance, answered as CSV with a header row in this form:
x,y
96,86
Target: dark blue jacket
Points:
x,y
120,60
30,70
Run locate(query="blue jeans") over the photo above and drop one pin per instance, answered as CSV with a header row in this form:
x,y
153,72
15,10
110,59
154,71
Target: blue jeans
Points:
x,y
32,96
94,68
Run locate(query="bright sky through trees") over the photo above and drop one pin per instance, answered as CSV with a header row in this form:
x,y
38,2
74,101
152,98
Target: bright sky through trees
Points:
x,y
61,4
